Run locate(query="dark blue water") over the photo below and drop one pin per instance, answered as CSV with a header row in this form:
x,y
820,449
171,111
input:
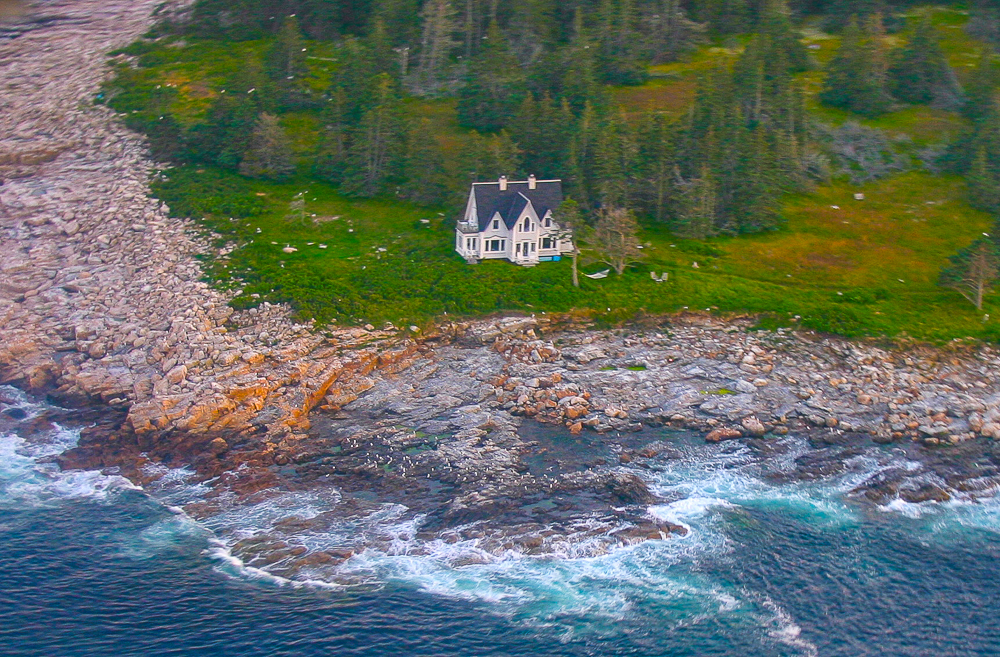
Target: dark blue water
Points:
x,y
90,567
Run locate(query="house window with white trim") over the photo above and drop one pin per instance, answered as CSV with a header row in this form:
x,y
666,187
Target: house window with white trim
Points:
x,y
527,225
496,224
548,243
495,246
548,222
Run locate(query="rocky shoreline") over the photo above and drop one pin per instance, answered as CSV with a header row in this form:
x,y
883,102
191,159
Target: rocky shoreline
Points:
x,y
519,433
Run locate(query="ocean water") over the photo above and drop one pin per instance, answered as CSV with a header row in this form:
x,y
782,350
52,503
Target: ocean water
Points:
x,y
91,565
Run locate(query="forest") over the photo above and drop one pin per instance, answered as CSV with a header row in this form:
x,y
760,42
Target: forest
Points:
x,y
706,119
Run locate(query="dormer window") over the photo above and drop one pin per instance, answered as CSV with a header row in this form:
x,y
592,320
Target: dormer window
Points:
x,y
527,225
548,222
496,224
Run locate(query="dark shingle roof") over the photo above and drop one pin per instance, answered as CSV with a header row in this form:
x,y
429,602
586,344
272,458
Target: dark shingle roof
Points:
x,y
546,196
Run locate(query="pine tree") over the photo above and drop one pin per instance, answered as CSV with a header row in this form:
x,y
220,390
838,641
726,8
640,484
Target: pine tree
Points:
x,y
437,44
285,64
495,86
857,76
920,72
373,159
532,27
984,180
695,214
973,271
270,153
487,157
578,82
287,57
423,168
615,152
225,136
982,87
756,190
618,41
401,20
334,134
776,25
655,166
676,34
723,16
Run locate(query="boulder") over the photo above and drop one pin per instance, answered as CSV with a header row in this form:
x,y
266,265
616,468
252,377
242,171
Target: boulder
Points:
x,y
724,433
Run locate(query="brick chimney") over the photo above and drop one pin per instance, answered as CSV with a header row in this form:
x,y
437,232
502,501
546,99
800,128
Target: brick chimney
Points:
x,y
503,183
532,182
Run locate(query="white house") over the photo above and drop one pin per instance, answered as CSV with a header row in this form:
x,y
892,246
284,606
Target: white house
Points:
x,y
512,220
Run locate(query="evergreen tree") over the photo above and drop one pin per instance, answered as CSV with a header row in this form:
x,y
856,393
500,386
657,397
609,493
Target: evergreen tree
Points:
x,y
723,16
984,23
373,159
495,87
531,27
544,129
615,152
270,152
437,43
976,154
984,181
982,88
695,214
776,26
225,136
756,189
674,33
840,12
354,78
400,19
423,168
378,45
286,59
285,64
487,157
857,76
920,72
334,135
618,41
655,164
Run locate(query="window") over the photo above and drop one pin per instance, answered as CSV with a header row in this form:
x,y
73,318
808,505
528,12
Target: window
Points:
x,y
548,243
532,247
548,222
470,244
496,224
495,246
527,225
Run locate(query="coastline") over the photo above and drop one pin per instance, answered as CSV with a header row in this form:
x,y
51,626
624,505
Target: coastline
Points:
x,y
102,306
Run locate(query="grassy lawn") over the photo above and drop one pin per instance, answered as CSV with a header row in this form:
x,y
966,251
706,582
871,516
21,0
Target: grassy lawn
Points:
x,y
838,264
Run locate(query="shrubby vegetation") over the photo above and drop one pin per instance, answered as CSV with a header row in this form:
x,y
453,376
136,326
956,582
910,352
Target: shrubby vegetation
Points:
x,y
408,101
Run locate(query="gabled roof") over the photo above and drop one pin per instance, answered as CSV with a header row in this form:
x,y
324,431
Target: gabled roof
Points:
x,y
510,203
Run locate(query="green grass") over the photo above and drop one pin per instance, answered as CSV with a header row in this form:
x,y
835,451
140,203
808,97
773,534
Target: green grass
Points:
x,y
867,268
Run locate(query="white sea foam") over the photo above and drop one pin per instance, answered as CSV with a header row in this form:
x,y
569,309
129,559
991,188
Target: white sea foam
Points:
x,y
785,629
24,481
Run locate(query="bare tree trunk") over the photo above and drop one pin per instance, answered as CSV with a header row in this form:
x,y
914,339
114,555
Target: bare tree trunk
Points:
x,y
576,271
